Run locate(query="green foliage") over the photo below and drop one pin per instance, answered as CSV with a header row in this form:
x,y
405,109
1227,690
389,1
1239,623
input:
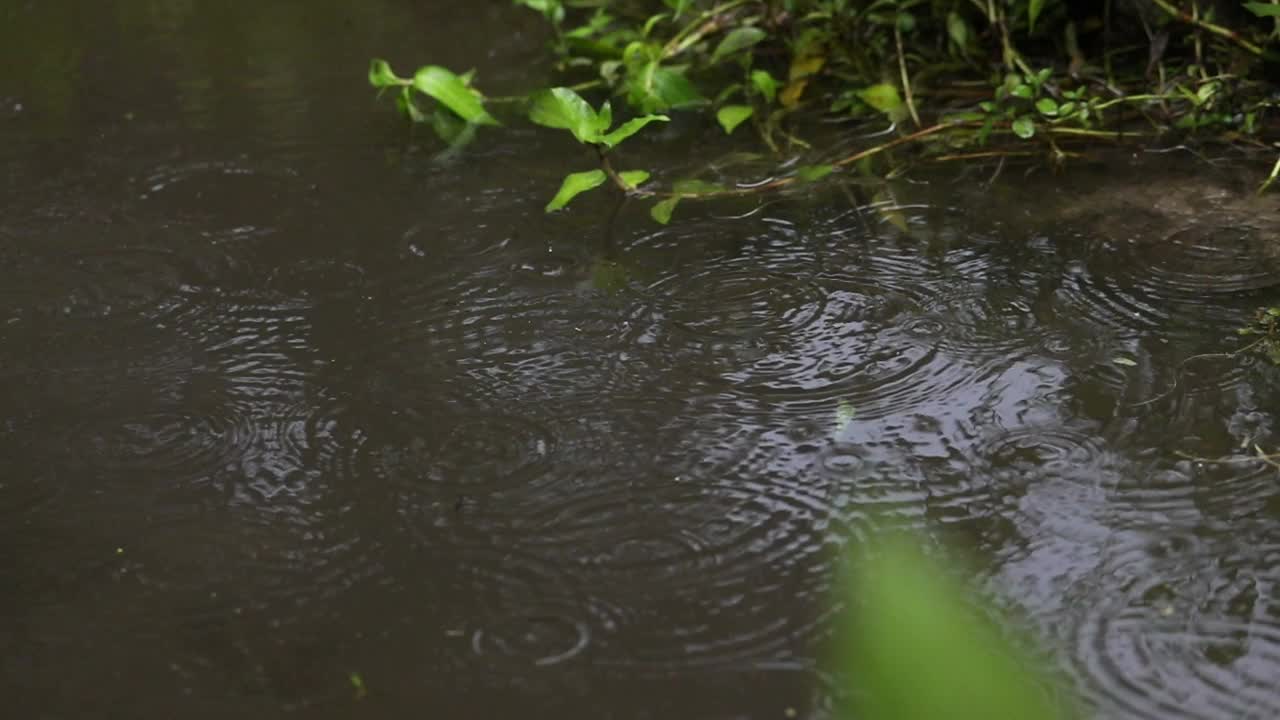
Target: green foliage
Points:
x,y
1266,326
915,649
1025,71
574,184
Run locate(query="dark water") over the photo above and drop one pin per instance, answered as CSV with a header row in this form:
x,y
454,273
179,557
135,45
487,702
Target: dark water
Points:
x,y
287,397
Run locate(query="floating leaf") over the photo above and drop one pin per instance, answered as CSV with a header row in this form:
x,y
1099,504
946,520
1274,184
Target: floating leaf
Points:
x,y
634,178
731,116
662,210
575,184
1124,361
629,128
739,39
1024,127
449,90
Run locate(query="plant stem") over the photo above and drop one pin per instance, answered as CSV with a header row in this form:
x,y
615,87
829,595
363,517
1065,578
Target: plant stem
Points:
x,y
1222,32
906,79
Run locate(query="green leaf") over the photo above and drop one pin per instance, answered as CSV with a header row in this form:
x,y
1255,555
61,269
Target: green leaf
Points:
x,y
1033,13
731,116
380,75
1124,361
629,128
919,650
575,184
812,173
634,178
564,109
1022,90
739,39
1024,127
449,90
1263,9
1047,106
651,88
883,97
697,187
662,210
765,84
958,29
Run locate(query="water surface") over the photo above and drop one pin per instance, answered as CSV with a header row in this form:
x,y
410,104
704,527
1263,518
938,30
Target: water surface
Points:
x,y
289,397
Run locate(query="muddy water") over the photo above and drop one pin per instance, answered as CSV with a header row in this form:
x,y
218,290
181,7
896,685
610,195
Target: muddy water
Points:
x,y
287,398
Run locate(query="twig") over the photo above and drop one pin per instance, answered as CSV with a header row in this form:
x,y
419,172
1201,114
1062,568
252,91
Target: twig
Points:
x,y
906,79
1220,31
1182,366
1275,172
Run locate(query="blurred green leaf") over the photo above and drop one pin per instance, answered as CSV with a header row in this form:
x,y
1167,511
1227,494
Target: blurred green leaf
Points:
x,y
449,90
813,173
765,84
1047,106
1263,9
738,39
958,29
731,116
1033,13
574,185
918,651
662,210
1024,127
380,75
634,178
883,97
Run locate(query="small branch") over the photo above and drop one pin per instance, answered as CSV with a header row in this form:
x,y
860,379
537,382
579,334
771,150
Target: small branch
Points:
x,y
906,78
1222,32
1275,173
607,166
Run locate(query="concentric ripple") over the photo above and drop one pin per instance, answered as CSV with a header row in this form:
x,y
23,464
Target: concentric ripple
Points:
x,y
233,196
1182,284
1181,629
134,282
178,444
728,303
439,450
717,558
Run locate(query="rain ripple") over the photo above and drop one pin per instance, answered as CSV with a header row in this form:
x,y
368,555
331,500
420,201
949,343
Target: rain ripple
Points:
x,y
1177,627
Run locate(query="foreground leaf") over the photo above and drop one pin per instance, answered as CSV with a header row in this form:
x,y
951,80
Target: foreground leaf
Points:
x,y
1024,127
574,185
1263,9
918,650
449,90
